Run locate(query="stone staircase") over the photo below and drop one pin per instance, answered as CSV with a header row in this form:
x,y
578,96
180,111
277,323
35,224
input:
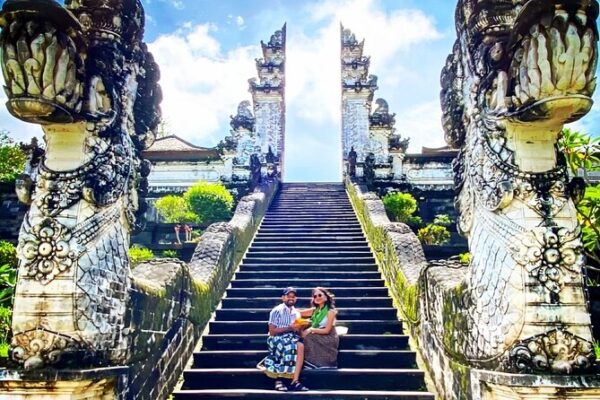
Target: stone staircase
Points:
x,y
309,237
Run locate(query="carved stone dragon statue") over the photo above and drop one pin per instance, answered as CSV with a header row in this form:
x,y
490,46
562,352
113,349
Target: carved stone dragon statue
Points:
x,y
82,73
520,70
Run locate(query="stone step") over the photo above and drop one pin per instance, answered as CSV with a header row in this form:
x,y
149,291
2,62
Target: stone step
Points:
x,y
281,283
270,302
334,379
310,236
320,254
333,223
362,326
296,242
270,394
262,314
306,291
347,342
248,266
243,274
301,248
346,358
310,230
310,215
252,258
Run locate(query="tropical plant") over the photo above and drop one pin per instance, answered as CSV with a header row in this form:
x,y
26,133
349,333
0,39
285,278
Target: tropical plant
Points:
x,y
589,217
400,206
8,253
169,253
442,220
582,154
5,321
212,202
12,158
464,258
434,235
138,254
175,209
8,272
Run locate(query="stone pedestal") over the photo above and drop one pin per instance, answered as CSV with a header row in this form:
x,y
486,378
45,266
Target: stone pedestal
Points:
x,y
489,385
88,384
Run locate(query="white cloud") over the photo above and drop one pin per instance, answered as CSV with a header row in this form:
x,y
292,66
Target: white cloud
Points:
x,y
239,20
202,85
313,79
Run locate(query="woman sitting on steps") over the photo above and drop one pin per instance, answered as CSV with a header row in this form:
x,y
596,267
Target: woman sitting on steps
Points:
x,y
320,339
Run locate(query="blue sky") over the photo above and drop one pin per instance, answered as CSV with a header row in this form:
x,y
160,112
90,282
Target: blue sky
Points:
x,y
206,51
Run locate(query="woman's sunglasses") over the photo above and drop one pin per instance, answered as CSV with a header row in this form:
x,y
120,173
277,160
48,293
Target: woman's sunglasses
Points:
x,y
317,295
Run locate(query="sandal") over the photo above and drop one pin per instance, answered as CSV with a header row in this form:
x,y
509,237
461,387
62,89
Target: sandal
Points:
x,y
280,386
298,387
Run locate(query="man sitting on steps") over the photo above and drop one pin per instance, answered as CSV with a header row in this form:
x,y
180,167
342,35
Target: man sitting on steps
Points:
x,y
286,350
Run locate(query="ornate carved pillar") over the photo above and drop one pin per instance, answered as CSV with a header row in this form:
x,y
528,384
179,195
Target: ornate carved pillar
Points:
x,y
268,95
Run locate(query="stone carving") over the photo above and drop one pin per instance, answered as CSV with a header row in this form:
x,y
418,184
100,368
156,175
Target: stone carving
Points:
x,y
560,349
83,73
243,118
268,95
366,132
519,70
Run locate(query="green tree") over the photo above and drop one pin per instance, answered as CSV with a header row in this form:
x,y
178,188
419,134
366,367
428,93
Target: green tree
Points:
x,y
582,154
212,202
400,206
581,151
175,209
434,234
12,158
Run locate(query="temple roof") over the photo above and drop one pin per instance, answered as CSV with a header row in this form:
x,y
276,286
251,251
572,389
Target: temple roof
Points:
x,y
438,150
174,148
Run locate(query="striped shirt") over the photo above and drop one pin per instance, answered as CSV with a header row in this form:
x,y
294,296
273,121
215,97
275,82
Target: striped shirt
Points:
x,y
283,316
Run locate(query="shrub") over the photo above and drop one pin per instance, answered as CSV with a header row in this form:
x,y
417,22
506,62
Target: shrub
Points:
x,y
442,220
434,235
8,272
400,206
212,202
170,253
12,158
464,258
174,209
5,321
8,253
139,254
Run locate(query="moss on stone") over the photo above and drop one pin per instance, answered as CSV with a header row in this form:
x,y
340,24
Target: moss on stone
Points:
x,y
404,293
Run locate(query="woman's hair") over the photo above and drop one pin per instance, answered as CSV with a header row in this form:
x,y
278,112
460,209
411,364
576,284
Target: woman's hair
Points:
x,y
329,297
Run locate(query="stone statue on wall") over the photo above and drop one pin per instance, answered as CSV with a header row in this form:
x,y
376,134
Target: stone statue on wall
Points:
x,y
255,170
84,74
518,72
369,169
352,162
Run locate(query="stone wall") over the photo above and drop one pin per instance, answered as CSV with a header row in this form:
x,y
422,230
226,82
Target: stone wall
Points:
x,y
171,302
414,285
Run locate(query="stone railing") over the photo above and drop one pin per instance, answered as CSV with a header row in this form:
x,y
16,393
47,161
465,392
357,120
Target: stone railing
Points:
x,y
170,304
397,249
173,301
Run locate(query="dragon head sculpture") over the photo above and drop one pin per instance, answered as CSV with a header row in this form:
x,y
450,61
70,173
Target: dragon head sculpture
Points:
x,y
517,62
83,73
519,70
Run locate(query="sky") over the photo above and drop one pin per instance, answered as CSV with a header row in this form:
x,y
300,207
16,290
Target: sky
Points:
x,y
206,51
